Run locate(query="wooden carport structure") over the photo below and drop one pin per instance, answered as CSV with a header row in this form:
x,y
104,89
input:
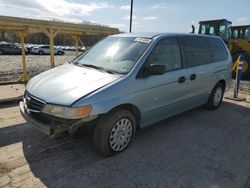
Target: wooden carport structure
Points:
x,y
24,26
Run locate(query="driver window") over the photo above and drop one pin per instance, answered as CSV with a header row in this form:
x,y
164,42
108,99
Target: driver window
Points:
x,y
166,53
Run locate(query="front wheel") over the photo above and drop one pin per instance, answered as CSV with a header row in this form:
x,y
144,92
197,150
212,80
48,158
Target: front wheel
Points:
x,y
114,132
215,97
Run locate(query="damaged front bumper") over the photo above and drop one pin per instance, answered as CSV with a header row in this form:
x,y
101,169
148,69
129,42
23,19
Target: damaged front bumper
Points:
x,y
53,128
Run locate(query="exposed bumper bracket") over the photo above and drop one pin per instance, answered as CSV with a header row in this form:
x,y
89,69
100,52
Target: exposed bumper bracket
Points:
x,y
46,129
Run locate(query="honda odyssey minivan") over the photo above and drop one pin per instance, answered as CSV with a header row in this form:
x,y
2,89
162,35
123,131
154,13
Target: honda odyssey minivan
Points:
x,y
126,82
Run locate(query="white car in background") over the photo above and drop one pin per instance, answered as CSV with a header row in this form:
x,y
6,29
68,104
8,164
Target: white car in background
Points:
x,y
45,50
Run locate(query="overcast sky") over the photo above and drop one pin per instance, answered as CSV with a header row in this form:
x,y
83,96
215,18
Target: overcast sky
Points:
x,y
149,16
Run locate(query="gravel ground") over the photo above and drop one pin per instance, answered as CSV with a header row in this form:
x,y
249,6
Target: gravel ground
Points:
x,y
244,85
11,65
196,149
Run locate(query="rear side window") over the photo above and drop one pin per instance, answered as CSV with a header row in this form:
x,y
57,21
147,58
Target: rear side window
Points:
x,y
218,49
196,51
167,53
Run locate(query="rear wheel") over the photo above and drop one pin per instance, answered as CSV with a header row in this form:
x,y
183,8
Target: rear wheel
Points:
x,y
1,52
41,53
114,132
215,97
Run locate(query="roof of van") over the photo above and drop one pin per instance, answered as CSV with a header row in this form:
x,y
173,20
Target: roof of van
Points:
x,y
152,35
144,35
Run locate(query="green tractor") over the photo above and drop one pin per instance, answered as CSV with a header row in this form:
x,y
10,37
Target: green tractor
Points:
x,y
237,39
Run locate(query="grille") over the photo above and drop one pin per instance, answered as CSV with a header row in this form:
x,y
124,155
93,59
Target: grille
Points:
x,y
33,104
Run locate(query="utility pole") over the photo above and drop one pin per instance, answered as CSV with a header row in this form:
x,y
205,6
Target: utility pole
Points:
x,y
131,16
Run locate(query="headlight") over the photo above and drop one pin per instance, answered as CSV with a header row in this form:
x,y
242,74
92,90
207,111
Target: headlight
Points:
x,y
67,112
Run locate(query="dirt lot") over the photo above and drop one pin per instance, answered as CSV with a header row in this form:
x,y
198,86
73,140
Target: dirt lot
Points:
x,y
11,65
197,149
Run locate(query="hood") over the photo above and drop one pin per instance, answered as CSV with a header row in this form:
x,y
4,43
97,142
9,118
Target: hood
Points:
x,y
67,83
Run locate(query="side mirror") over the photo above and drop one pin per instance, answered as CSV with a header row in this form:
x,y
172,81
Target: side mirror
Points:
x,y
154,69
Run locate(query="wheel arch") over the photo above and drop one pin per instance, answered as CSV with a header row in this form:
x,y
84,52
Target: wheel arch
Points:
x,y
133,109
223,82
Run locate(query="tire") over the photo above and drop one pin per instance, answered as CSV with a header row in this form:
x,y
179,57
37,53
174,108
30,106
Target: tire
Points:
x,y
41,53
114,132
1,52
216,96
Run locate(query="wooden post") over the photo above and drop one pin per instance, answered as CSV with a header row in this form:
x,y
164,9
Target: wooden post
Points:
x,y
51,33
25,76
51,46
75,38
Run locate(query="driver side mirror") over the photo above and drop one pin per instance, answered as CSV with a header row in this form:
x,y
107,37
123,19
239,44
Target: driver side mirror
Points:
x,y
155,69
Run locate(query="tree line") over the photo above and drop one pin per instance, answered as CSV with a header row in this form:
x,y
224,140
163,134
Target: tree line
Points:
x,y
41,38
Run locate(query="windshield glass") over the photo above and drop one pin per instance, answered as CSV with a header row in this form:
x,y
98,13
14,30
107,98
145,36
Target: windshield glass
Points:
x,y
216,29
117,54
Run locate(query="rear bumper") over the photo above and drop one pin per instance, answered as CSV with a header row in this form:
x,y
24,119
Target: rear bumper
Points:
x,y
44,128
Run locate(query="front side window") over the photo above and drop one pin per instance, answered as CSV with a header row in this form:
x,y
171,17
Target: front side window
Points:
x,y
166,53
117,54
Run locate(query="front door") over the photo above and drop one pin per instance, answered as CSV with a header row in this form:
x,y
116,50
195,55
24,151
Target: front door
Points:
x,y
164,94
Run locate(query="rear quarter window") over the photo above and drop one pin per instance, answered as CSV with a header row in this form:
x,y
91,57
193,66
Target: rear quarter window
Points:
x,y
196,51
218,49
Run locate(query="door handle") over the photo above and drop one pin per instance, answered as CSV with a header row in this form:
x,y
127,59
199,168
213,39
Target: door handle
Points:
x,y
192,76
182,79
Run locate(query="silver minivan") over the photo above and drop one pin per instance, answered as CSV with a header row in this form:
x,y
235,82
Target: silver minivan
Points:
x,y
126,82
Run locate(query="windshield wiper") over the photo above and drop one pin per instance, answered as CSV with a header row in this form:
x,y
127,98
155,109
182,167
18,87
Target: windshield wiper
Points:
x,y
98,68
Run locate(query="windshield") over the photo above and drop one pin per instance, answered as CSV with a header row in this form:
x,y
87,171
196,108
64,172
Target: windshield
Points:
x,y
216,29
117,54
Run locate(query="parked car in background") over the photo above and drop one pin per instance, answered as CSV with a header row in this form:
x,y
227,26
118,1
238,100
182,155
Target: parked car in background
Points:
x,y
30,46
9,48
45,50
82,49
73,48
